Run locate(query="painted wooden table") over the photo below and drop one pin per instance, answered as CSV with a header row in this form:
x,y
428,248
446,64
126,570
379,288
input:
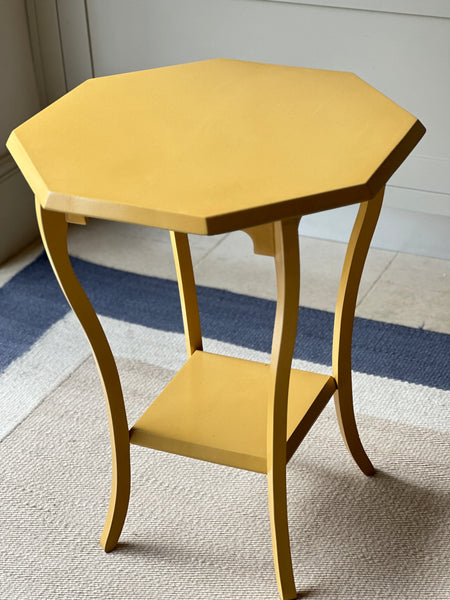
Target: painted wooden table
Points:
x,y
208,148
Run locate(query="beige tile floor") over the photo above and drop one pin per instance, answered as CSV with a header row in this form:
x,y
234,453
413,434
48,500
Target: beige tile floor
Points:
x,y
406,289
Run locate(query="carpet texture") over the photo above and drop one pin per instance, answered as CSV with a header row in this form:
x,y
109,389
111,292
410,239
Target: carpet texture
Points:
x,y
196,530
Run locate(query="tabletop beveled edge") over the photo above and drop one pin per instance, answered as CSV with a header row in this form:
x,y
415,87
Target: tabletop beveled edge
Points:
x,y
218,223
397,156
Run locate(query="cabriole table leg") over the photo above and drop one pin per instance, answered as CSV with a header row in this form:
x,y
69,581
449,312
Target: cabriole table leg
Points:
x,y
355,257
53,228
288,288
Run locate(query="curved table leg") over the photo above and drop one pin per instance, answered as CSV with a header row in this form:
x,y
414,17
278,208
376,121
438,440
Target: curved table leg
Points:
x,y
358,247
288,288
53,228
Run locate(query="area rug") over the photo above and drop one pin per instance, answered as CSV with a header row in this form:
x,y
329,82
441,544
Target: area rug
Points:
x,y
196,530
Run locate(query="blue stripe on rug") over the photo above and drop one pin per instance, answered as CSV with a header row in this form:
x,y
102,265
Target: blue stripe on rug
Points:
x,y
31,302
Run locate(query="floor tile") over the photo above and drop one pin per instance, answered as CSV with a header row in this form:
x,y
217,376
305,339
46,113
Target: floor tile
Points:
x,y
321,266
419,272
233,266
413,291
135,248
404,305
398,230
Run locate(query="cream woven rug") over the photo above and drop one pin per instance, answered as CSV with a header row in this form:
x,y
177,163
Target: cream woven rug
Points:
x,y
201,531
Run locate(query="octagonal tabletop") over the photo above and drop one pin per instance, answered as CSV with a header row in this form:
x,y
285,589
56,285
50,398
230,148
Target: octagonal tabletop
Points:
x,y
213,146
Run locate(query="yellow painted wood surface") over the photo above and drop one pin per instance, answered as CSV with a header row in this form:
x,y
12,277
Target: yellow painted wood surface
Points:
x,y
287,267
213,146
53,229
263,239
188,293
76,219
215,409
358,247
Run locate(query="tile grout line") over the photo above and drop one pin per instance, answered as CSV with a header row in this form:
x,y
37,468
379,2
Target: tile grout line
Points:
x,y
207,254
364,296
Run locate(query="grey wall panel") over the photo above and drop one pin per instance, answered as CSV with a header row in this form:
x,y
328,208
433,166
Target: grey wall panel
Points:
x,y
75,41
18,226
18,98
45,37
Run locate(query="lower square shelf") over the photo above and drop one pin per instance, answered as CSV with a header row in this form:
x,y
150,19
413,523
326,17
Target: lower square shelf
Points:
x,y
215,409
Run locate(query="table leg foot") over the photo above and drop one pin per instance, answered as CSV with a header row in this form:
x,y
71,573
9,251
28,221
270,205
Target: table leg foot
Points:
x,y
117,511
280,535
349,432
53,228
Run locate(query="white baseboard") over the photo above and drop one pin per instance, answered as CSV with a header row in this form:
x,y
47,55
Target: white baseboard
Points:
x,y
417,200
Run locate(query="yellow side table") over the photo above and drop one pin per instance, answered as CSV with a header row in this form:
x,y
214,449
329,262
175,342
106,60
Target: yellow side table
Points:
x,y
207,148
